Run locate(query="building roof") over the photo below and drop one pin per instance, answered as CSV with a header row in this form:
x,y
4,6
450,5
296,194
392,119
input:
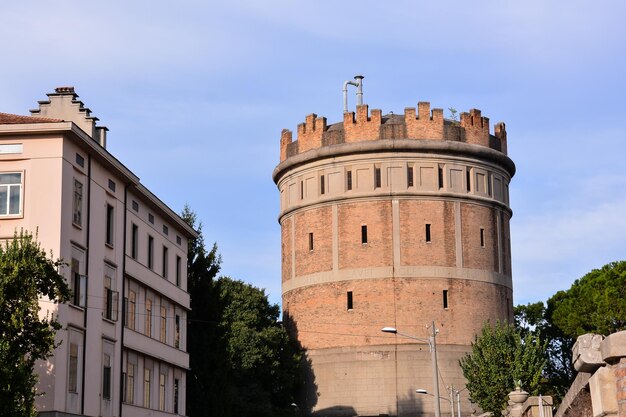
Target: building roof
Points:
x,y
15,119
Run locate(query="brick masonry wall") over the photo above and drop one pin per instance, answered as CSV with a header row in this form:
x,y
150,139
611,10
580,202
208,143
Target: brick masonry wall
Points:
x,y
319,222
414,250
376,215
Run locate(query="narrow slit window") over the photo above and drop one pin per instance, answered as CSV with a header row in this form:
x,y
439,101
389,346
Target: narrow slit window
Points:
x,y
377,178
364,234
349,180
322,185
109,225
311,241
440,177
150,252
301,190
445,299
482,237
428,237
349,300
467,180
489,185
409,176
134,244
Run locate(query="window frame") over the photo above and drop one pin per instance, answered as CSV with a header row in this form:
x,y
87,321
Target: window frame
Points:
x,y
9,187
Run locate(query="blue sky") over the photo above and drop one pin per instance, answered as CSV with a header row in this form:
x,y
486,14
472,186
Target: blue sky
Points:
x,y
195,94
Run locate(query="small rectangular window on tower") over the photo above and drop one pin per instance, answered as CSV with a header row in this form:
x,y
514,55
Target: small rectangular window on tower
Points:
x,y
111,185
349,180
445,299
80,161
301,190
428,233
322,185
409,176
363,234
349,300
467,180
311,241
482,237
440,177
377,178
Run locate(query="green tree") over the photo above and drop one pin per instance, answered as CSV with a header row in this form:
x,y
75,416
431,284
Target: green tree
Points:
x,y
536,319
209,373
265,362
26,274
595,303
242,362
500,356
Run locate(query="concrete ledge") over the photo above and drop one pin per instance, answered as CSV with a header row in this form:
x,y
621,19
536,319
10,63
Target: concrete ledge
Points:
x,y
586,356
614,347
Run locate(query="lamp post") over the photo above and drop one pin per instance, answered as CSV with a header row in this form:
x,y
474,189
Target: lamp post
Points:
x,y
432,345
450,400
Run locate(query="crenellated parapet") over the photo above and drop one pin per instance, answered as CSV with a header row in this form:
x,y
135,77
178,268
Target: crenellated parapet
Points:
x,y
423,124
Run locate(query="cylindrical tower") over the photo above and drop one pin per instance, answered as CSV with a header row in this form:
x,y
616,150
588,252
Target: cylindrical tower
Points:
x,y
394,220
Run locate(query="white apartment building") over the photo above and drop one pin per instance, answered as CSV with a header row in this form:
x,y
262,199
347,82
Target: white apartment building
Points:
x,y
123,344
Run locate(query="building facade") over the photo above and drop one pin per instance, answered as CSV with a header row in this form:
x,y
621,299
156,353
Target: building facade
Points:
x,y
122,348
392,221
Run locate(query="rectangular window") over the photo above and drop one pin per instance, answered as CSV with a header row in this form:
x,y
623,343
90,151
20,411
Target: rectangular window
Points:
x,y
409,176
150,252
106,377
489,185
110,226
79,285
110,297
178,270
322,185
377,178
428,233
363,234
482,237
134,244
176,388
179,241
148,317
72,383
163,335
310,241
11,194
147,377
468,177
77,217
166,230
161,392
151,218
301,190
445,298
80,161
177,332
135,206
132,305
111,185
349,300
349,180
130,383
165,261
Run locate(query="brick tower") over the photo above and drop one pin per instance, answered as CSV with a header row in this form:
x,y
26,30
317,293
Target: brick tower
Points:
x,y
392,220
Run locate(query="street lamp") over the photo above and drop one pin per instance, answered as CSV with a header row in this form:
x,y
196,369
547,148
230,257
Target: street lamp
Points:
x,y
450,400
432,345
